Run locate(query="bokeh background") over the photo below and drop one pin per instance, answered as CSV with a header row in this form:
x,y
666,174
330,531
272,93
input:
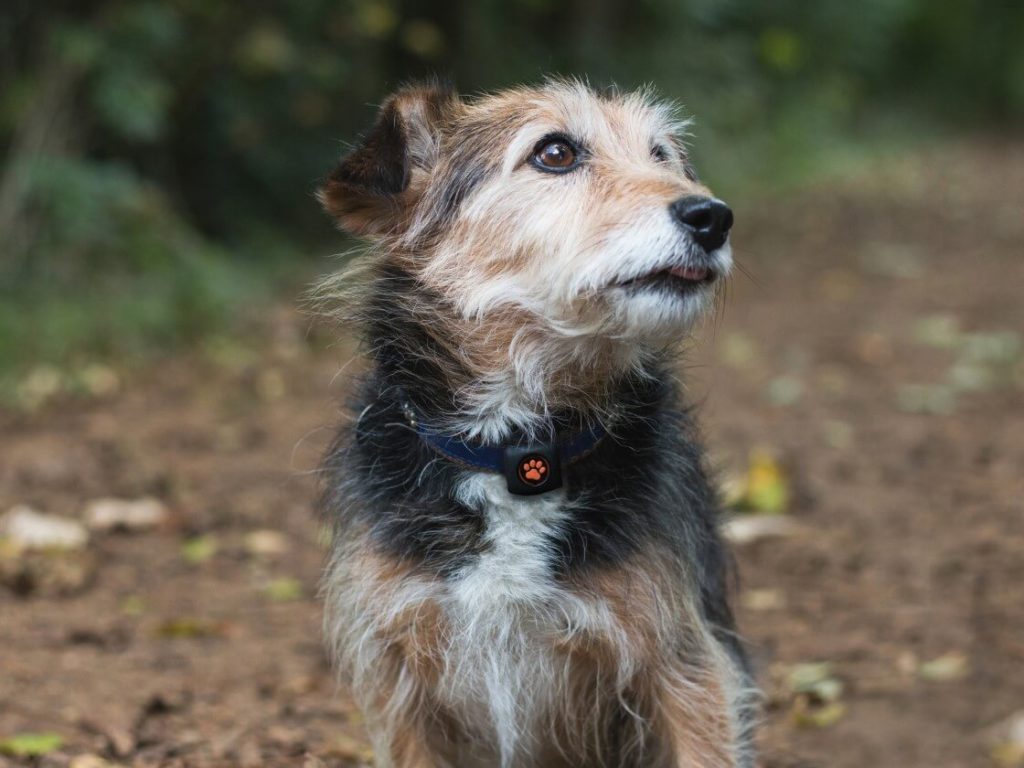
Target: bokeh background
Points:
x,y
162,396
160,156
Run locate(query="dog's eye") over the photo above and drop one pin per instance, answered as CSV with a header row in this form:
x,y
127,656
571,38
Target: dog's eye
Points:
x,y
659,153
556,155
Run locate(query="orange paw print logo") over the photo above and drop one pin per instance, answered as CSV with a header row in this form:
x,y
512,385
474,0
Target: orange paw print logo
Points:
x,y
533,470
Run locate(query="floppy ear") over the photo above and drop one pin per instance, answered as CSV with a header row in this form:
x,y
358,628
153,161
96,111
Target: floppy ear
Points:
x,y
373,187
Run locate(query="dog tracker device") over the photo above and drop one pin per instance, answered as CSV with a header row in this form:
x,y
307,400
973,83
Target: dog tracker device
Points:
x,y
529,470
533,469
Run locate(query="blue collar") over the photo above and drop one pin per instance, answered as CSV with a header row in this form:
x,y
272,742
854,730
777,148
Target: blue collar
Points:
x,y
528,469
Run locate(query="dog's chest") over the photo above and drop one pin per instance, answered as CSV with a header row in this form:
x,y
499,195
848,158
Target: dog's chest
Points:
x,y
514,564
508,613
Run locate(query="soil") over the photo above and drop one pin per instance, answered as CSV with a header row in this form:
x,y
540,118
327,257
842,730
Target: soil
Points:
x,y
868,344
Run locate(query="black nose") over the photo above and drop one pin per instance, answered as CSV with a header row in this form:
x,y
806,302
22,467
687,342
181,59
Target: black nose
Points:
x,y
707,219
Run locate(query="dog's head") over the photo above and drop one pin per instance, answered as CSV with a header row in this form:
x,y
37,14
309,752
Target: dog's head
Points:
x,y
578,210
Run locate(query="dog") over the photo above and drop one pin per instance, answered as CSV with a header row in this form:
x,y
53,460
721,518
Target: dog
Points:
x,y
525,568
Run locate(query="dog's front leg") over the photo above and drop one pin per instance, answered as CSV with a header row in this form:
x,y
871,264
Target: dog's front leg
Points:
x,y
407,726
410,735
409,745
695,721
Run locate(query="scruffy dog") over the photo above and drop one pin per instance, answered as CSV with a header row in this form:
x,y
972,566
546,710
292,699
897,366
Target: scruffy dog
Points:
x,y
526,571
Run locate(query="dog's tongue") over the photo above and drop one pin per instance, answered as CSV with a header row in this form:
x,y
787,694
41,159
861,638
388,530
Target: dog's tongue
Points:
x,y
689,273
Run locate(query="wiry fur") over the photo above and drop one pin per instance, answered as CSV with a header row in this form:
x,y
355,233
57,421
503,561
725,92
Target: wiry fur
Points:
x,y
588,626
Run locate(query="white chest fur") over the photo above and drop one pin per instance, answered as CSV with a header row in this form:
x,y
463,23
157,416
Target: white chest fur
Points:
x,y
515,565
507,615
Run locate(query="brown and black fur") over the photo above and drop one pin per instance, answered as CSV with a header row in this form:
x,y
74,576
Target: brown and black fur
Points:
x,y
608,640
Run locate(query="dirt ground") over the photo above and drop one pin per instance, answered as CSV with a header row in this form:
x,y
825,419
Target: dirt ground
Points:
x,y
871,344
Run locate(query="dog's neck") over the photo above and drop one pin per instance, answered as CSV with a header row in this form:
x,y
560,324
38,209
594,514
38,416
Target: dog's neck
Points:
x,y
491,381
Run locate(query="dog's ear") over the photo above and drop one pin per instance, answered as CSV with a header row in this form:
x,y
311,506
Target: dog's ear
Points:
x,y
374,186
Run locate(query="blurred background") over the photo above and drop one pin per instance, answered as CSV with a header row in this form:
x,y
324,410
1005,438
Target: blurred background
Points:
x,y
161,394
159,157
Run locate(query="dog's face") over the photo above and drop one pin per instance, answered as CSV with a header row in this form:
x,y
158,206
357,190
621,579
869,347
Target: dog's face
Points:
x,y
579,210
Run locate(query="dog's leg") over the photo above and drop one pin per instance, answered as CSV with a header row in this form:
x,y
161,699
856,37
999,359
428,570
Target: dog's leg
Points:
x,y
410,745
408,731
694,719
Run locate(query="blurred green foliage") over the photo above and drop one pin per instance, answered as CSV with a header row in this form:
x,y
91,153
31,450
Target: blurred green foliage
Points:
x,y
160,157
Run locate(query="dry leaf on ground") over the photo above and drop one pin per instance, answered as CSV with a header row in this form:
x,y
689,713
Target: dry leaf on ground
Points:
x,y
26,528
124,515
30,744
949,666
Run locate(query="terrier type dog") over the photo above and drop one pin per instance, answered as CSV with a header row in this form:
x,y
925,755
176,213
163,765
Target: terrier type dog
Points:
x,y
526,570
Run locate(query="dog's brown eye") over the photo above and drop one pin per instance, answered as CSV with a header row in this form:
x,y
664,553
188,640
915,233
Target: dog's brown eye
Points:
x,y
557,155
660,154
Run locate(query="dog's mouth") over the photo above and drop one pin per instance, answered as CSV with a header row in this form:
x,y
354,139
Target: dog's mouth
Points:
x,y
677,279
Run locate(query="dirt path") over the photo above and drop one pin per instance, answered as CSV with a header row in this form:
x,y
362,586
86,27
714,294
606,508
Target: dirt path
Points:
x,y
872,349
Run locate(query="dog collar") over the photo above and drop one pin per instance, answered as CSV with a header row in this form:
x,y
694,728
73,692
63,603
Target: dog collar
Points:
x,y
528,469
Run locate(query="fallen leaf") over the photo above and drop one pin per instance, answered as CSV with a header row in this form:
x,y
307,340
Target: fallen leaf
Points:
x,y
1007,741
25,528
733,488
815,694
40,386
785,390
767,490
270,385
91,761
940,331
949,666
98,380
199,549
738,351
763,599
838,434
935,399
994,347
266,543
1008,755
764,488
815,679
805,715
283,590
30,744
746,529
133,605
967,376
188,627
124,515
